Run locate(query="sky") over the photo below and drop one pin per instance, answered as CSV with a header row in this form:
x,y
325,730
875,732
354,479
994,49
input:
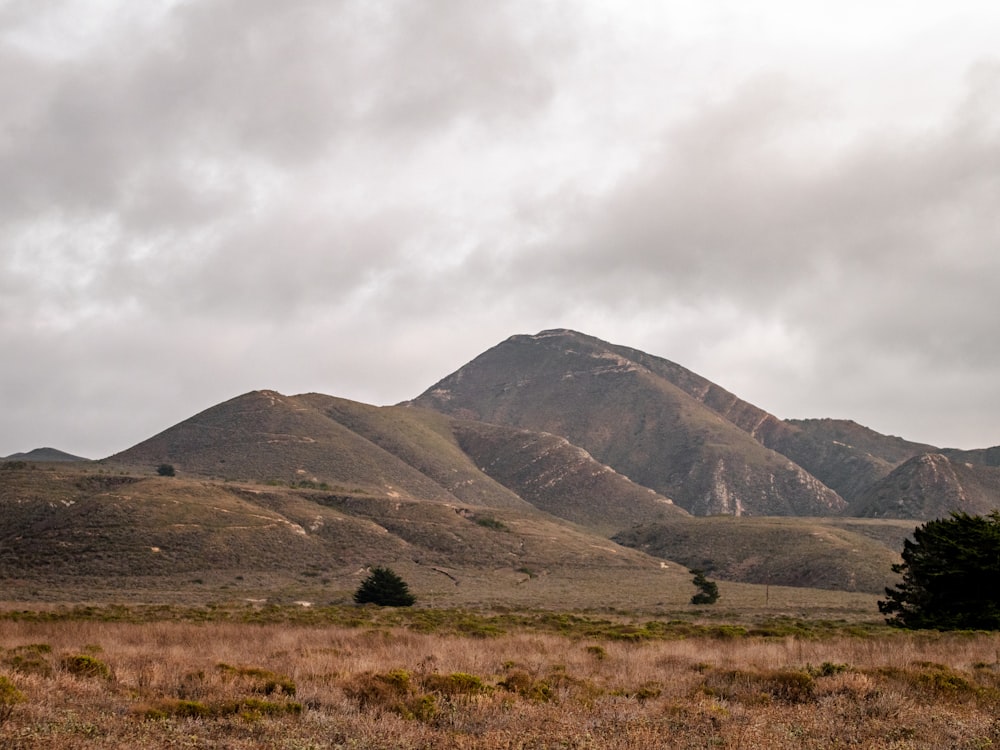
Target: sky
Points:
x,y
799,200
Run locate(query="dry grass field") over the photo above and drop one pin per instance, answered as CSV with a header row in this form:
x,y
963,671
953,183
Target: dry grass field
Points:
x,y
562,682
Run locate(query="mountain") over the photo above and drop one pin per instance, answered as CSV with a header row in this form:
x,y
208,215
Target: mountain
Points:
x,y
652,420
931,486
847,457
44,454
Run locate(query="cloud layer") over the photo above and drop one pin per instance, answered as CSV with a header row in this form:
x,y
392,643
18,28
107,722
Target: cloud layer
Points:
x,y
356,198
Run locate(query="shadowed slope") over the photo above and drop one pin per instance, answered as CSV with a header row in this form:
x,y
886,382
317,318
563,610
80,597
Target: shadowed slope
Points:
x,y
558,477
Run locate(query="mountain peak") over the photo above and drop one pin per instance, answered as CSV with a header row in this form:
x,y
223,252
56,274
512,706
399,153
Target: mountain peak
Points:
x,y
646,417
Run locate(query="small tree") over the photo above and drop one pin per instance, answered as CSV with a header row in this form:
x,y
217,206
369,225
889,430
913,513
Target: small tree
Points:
x,y
384,588
951,576
166,470
708,591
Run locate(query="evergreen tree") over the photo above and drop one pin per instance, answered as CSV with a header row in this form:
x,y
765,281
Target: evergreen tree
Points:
x,y
708,591
384,588
951,576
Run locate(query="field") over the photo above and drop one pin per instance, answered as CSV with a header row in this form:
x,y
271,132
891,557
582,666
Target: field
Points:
x,y
365,678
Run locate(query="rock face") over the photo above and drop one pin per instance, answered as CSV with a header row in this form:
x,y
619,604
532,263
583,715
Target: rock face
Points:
x,y
652,420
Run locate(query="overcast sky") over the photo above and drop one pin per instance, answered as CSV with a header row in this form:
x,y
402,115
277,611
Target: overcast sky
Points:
x,y
797,199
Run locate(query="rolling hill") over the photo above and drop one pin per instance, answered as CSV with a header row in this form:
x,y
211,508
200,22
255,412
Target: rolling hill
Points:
x,y
44,454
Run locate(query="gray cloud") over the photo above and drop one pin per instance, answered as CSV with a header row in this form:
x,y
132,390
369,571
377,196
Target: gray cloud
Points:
x,y
359,197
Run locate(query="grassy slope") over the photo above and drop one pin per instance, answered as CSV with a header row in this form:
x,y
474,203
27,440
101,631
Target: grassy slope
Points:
x,y
849,554
266,436
76,533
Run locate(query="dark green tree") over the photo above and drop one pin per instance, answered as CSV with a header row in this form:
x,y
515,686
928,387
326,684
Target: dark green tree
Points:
x,y
708,591
951,576
384,588
166,470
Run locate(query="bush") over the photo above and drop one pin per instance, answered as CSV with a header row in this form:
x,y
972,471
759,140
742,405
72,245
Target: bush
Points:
x,y
10,696
384,588
83,665
456,683
760,688
166,470
393,691
259,680
492,523
30,659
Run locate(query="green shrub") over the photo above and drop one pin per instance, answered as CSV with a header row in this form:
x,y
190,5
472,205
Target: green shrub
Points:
x,y
643,692
492,523
30,659
392,691
10,696
84,665
826,669
935,680
172,707
520,682
456,683
249,709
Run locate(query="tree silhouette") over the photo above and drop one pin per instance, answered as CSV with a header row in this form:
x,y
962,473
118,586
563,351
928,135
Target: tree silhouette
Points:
x,y
951,576
384,588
